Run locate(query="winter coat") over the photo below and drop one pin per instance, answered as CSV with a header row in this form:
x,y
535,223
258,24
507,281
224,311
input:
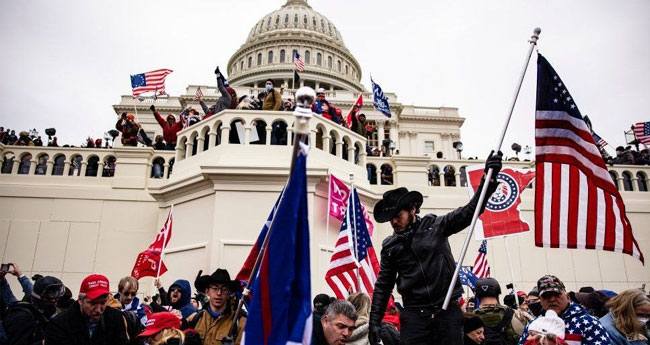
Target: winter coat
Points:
x,y
184,304
212,330
579,326
491,315
617,337
331,112
358,127
24,324
360,334
129,132
420,260
169,132
224,102
272,101
71,328
626,158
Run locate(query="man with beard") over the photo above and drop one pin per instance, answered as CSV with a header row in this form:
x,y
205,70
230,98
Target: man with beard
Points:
x,y
27,320
180,297
417,256
213,323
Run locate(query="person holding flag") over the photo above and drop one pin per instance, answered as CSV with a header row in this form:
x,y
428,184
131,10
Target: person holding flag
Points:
x,y
228,99
417,256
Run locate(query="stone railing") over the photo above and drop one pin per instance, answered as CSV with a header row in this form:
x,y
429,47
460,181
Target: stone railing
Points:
x,y
268,128
82,162
451,173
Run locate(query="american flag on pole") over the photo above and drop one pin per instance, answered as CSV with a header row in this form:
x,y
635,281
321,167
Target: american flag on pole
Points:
x,y
199,94
576,203
600,142
299,62
153,81
481,267
642,132
342,273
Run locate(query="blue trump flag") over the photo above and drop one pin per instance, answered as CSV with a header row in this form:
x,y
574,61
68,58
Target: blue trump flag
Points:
x,y
379,99
467,277
280,310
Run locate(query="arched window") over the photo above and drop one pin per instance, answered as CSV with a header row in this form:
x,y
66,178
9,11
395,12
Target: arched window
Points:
x,y
8,163
642,181
157,167
307,57
75,166
450,176
286,18
627,181
346,69
93,166
41,164
277,20
434,175
258,127
241,65
322,25
319,59
293,54
25,163
278,133
59,164
295,18
614,178
109,166
386,174
268,23
282,56
259,59
270,57
313,21
329,62
329,27
305,20
372,173
463,177
338,65
250,61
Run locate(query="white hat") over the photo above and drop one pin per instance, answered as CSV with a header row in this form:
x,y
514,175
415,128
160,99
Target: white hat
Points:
x,y
320,90
548,324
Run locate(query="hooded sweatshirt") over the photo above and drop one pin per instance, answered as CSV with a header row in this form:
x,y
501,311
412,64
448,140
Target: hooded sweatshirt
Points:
x,y
184,304
169,132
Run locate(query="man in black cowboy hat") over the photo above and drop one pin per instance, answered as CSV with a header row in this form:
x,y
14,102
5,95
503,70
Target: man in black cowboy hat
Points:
x,y
213,323
417,257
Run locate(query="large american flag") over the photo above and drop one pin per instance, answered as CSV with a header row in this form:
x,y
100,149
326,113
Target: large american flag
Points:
x,y
153,81
481,267
577,204
341,275
299,62
642,132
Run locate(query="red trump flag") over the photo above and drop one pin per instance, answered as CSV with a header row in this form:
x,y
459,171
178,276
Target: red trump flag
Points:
x,y
338,202
501,216
149,262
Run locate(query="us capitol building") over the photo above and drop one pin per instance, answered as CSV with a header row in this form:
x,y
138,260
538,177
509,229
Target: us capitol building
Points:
x,y
69,212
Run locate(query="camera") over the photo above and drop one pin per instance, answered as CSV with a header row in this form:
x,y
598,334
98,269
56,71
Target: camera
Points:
x,y
5,267
50,132
510,286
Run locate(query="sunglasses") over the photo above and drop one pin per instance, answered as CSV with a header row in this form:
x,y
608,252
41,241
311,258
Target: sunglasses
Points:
x,y
134,293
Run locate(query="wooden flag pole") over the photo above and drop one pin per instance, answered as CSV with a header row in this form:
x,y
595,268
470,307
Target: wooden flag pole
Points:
x,y
488,175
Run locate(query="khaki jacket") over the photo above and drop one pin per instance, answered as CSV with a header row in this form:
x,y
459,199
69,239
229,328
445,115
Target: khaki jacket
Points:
x,y
272,101
212,330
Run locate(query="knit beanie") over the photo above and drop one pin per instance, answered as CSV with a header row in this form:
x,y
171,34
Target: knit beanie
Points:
x,y
472,323
548,324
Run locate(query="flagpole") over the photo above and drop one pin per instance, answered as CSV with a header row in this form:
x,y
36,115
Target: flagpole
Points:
x,y
304,99
329,205
162,251
532,43
512,272
354,226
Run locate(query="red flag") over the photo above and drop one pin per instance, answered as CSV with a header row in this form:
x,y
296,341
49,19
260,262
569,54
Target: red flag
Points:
x,y
149,262
338,195
501,216
355,110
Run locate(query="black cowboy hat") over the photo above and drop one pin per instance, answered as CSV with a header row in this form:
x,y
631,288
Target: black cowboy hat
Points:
x,y
220,276
393,201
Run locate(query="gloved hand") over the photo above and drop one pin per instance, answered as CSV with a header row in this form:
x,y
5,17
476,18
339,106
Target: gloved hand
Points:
x,y
123,115
494,161
153,108
373,335
217,72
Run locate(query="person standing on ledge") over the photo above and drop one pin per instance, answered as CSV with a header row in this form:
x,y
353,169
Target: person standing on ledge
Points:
x,y
417,257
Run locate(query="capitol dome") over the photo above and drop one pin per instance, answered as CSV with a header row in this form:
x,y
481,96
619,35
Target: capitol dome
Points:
x,y
270,46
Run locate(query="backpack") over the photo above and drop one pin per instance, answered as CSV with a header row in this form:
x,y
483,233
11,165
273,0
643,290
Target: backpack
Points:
x,y
498,335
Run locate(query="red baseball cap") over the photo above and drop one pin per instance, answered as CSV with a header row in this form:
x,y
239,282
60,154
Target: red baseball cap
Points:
x,y
159,321
94,286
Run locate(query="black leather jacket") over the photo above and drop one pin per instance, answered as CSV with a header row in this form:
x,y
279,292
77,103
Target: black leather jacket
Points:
x,y
420,261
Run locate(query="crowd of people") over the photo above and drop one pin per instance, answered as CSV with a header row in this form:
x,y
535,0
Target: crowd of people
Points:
x,y
627,156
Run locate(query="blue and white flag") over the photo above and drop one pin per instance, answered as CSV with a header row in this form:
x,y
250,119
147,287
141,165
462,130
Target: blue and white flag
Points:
x,y
280,310
467,278
379,99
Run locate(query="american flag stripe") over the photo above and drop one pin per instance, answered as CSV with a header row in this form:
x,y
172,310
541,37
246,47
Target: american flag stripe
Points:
x,y
642,132
481,266
577,205
299,62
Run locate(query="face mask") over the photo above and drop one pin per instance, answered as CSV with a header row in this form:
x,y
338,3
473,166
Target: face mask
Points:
x,y
249,100
535,308
269,87
48,309
643,320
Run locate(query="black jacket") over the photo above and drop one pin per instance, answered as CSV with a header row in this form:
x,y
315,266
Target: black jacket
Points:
x,y
70,328
24,324
420,261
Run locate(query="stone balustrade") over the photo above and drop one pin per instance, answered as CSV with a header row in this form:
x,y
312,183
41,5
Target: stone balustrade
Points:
x,y
451,173
266,128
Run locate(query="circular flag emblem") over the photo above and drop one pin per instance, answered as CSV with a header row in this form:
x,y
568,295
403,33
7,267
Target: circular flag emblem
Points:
x,y
505,195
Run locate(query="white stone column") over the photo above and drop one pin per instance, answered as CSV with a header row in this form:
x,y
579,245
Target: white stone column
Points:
x,y
247,135
363,158
225,135
189,145
339,148
380,136
635,183
66,168
621,184
212,140
100,169
199,142
165,170
326,144
179,153
289,132
268,134
32,166
49,167
379,175
351,154
84,167
457,177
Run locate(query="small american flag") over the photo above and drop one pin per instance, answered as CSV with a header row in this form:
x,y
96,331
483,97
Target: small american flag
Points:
x,y
642,132
600,142
198,94
299,62
481,267
153,81
341,275
577,204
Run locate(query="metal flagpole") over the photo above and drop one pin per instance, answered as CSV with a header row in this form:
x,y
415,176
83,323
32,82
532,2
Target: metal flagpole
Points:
x,y
162,251
512,272
304,99
353,224
329,205
488,175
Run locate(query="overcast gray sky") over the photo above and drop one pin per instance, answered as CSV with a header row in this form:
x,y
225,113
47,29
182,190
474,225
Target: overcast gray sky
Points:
x,y
65,63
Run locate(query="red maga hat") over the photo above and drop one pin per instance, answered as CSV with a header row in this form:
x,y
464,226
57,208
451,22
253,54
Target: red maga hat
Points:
x,y
159,321
94,286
